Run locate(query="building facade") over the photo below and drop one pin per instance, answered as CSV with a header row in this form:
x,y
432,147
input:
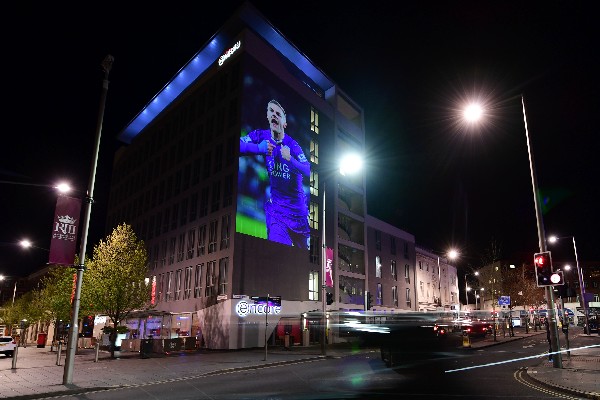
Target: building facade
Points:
x,y
194,182
391,267
436,282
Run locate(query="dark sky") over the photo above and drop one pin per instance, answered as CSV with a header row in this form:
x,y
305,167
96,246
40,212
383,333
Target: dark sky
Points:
x,y
411,65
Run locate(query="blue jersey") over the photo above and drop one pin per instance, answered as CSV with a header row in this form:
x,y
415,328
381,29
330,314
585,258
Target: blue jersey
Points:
x,y
288,200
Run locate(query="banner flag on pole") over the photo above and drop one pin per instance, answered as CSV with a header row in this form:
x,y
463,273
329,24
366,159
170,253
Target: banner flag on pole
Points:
x,y
328,267
64,230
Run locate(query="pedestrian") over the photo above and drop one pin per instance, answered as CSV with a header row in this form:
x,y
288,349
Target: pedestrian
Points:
x,y
548,337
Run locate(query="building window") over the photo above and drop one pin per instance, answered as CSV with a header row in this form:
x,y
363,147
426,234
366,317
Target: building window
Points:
x,y
194,207
314,120
201,249
314,249
314,151
181,250
178,284
313,285
203,212
394,272
392,245
228,191
223,264
314,183
225,226
313,215
407,273
408,303
183,215
210,278
216,196
160,286
212,236
379,298
169,290
191,243
187,287
395,295
422,288
421,265
377,267
198,280
378,240
163,253
172,244
406,250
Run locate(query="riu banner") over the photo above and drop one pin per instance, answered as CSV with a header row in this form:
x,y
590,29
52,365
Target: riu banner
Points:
x,y
329,268
64,230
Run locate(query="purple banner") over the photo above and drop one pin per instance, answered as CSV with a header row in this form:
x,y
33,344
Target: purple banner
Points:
x,y
328,267
64,230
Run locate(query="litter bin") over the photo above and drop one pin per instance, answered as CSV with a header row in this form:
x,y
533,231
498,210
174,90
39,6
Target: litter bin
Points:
x,y
146,348
41,339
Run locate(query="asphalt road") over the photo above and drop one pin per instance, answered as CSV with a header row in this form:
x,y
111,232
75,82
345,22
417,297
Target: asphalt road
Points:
x,y
487,373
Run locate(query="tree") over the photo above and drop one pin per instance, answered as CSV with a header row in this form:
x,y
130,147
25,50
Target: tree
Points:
x,y
115,281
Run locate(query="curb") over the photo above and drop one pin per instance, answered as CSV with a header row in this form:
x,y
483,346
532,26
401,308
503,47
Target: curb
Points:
x,y
564,389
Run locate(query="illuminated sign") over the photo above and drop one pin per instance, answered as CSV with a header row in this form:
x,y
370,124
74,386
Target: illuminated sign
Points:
x,y
243,309
229,52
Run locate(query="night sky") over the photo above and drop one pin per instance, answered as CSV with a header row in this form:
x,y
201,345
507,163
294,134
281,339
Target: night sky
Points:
x,y
412,67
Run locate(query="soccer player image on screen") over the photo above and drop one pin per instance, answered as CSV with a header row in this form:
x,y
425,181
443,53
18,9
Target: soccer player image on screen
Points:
x,y
286,210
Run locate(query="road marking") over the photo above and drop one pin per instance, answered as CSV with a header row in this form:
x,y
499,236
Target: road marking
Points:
x,y
518,375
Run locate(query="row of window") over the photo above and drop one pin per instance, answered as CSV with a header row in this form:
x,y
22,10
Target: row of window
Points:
x,y
393,269
379,296
378,245
192,243
192,282
197,205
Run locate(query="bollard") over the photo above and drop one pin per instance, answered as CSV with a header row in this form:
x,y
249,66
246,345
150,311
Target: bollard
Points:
x,y
14,360
97,351
58,351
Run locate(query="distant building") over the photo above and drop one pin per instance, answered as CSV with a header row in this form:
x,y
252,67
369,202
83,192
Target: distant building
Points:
x,y
391,267
436,282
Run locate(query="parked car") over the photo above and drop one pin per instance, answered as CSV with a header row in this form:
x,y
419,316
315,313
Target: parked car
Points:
x,y
7,345
475,328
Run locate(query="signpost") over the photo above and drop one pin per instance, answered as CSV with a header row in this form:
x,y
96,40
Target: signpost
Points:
x,y
269,302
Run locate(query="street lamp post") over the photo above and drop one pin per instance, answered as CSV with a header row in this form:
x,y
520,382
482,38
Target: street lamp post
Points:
x,y
475,112
74,328
349,165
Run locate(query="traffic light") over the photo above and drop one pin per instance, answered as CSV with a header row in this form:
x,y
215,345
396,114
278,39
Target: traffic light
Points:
x,y
329,298
544,273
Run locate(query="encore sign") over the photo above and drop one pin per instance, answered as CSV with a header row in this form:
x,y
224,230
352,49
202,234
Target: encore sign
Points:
x,y
243,308
229,52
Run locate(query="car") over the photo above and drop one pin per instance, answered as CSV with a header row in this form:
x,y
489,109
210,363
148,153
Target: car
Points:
x,y
475,328
7,345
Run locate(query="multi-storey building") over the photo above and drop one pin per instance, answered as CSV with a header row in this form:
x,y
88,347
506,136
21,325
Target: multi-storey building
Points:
x,y
436,282
197,194
391,267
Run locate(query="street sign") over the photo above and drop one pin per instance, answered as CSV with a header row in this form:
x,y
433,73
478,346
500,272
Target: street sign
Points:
x,y
269,300
504,301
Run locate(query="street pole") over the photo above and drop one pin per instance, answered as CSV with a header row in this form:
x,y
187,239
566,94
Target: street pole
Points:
x,y
554,339
466,293
582,289
323,280
74,328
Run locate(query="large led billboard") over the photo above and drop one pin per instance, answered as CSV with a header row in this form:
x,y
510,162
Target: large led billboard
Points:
x,y
274,169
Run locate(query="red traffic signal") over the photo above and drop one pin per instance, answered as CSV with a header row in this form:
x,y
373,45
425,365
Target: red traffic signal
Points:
x,y
544,274
542,260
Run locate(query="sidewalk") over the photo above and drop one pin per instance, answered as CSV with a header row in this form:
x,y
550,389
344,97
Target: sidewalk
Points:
x,y
580,373
37,375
